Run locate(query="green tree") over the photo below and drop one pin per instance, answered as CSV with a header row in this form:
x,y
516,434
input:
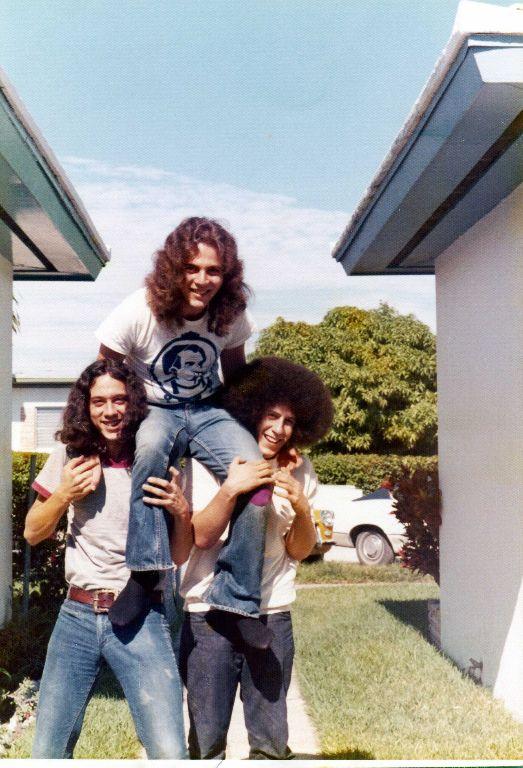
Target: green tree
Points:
x,y
380,367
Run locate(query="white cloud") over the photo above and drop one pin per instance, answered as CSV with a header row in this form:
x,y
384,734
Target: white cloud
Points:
x,y
286,250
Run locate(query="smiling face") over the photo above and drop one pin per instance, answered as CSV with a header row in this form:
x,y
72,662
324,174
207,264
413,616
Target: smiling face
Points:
x,y
108,402
275,430
202,279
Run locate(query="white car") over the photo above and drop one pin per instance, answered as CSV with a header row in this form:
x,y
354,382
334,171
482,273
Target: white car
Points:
x,y
366,522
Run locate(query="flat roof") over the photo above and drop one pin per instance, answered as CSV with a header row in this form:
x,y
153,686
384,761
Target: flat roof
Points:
x,y
458,154
44,228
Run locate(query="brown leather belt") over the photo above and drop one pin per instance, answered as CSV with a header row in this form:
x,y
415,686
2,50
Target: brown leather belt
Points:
x,y
102,599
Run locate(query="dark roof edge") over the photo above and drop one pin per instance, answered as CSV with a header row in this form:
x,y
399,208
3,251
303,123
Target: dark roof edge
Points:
x,y
53,167
492,23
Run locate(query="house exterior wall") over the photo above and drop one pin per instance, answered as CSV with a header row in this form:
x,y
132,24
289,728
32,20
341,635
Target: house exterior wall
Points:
x,y
6,293
27,399
479,287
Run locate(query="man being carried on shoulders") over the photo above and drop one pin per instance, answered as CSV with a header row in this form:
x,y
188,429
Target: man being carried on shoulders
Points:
x,y
175,333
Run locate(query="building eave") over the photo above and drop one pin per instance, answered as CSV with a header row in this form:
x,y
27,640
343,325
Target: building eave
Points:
x,y
30,168
366,245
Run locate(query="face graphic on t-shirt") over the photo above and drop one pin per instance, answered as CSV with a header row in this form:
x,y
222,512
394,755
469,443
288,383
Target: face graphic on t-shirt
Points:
x,y
186,368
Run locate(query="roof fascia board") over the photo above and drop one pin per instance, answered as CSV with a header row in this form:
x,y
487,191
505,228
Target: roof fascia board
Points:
x,y
415,157
494,185
30,169
419,205
445,71
478,77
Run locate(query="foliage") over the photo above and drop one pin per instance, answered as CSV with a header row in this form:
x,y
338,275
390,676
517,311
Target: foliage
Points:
x,y
365,470
47,559
417,505
335,572
376,689
23,645
107,733
380,367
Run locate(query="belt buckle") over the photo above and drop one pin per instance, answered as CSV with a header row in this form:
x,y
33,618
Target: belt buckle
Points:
x,y
96,596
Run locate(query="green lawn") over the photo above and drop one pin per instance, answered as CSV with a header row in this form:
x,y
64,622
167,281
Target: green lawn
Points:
x,y
376,689
108,730
333,572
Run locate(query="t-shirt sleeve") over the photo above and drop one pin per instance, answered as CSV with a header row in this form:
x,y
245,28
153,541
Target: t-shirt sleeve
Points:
x,y
48,479
242,329
311,484
202,485
119,329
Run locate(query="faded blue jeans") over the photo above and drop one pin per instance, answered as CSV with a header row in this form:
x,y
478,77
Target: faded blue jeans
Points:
x,y
214,662
142,659
210,435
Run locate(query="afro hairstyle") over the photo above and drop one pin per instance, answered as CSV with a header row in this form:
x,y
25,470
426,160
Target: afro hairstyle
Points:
x,y
270,381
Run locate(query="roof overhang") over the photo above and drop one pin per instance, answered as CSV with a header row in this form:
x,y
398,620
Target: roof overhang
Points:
x,y
44,229
459,153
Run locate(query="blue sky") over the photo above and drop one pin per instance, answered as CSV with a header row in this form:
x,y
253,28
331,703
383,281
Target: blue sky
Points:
x,y
271,115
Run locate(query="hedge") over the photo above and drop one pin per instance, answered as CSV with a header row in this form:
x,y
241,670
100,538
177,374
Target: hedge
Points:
x,y
47,559
367,470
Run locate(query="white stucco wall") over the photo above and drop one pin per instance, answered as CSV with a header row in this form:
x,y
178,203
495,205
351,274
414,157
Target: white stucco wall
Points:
x,y
25,400
6,293
479,286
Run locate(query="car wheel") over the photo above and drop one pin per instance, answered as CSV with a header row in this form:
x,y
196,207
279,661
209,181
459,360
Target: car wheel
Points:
x,y
373,548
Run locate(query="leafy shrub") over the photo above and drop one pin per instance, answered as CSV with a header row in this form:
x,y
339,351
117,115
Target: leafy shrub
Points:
x,y
23,645
366,470
418,506
47,559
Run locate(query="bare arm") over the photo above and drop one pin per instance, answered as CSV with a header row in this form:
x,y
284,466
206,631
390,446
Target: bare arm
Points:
x,y
105,353
78,479
231,360
243,476
168,494
301,536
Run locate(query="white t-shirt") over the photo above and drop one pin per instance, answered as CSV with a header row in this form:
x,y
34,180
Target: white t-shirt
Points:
x,y
96,525
279,570
178,364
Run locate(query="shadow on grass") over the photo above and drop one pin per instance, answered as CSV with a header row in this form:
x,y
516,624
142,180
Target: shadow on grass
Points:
x,y
348,754
414,613
107,685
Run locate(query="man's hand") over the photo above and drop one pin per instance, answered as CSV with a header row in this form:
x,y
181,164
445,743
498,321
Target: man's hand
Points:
x,y
80,476
288,487
245,476
167,493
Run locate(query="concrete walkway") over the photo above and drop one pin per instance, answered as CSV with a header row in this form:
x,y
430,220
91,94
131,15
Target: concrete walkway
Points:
x,y
302,736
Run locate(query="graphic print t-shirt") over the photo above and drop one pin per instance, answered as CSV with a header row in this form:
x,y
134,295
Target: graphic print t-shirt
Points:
x,y
178,364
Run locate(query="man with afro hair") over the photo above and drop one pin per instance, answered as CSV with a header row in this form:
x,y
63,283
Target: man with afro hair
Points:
x,y
284,406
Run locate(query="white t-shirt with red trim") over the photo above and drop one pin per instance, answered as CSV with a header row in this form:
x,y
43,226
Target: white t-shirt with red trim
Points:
x,y
279,570
178,364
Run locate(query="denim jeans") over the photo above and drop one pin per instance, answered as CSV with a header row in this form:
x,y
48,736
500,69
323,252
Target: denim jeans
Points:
x,y
142,659
213,437
213,662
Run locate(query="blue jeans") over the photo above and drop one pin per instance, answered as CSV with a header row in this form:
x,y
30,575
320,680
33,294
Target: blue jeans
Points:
x,y
142,659
213,437
213,662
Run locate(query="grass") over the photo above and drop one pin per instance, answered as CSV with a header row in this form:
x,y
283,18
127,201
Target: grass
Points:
x,y
376,689
333,572
108,729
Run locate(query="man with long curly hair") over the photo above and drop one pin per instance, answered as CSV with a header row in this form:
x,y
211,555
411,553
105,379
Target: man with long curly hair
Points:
x,y
283,405
175,333
88,477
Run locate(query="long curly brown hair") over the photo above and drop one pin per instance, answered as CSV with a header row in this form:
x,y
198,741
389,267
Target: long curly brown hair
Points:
x,y
269,381
78,432
163,283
